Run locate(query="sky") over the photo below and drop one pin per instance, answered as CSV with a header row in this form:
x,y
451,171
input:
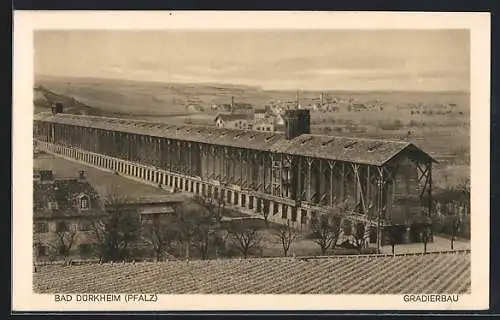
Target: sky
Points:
x,y
399,60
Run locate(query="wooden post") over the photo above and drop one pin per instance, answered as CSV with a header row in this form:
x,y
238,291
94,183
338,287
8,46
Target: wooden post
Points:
x,y
342,183
309,163
429,172
281,194
298,192
331,165
320,183
380,184
368,186
213,157
242,166
264,173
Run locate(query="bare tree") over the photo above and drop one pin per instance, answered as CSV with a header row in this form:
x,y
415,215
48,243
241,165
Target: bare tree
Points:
x,y
326,231
63,239
118,229
327,228
185,225
198,225
287,235
246,239
215,205
426,232
265,210
203,239
160,234
392,236
115,233
359,235
455,222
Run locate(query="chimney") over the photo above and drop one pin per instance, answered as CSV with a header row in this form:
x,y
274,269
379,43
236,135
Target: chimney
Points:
x,y
297,122
57,108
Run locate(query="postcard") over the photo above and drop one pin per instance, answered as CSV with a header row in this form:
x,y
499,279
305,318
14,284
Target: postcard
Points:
x,y
217,161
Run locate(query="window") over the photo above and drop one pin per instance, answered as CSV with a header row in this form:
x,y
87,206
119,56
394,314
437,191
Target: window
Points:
x,y
62,226
41,227
84,202
53,205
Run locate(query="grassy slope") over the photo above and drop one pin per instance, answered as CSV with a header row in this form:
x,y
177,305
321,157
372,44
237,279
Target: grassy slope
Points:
x,y
104,182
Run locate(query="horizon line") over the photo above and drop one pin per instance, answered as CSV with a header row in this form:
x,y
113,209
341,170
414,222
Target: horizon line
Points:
x,y
247,85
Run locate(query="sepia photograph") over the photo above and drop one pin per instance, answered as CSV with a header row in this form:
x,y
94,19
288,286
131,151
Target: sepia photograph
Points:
x,y
240,161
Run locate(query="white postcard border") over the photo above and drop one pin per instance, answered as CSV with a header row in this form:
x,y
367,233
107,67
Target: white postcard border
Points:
x,y
25,22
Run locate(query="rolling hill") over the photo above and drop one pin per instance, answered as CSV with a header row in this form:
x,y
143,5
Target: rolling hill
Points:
x,y
156,98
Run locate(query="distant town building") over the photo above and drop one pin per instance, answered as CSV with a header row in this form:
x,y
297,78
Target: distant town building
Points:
x,y
260,114
242,108
278,120
263,125
233,121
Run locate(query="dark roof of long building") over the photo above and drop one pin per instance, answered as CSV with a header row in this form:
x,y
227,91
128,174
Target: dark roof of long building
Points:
x,y
358,150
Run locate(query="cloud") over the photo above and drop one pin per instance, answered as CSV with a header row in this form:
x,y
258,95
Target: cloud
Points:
x,y
312,59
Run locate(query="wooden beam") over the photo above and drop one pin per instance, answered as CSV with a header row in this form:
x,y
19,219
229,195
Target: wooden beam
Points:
x,y
280,172
331,164
359,188
430,189
309,164
342,183
298,173
368,186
